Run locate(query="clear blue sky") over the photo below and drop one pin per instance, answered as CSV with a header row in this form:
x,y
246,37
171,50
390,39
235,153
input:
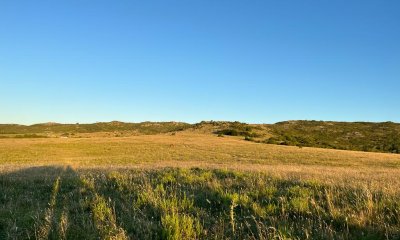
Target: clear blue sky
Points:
x,y
253,61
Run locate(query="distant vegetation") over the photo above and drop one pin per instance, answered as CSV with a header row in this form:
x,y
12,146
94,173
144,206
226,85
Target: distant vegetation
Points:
x,y
239,129
143,128
359,136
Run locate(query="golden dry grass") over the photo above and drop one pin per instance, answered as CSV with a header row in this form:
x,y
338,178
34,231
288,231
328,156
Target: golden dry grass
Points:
x,y
220,187
202,150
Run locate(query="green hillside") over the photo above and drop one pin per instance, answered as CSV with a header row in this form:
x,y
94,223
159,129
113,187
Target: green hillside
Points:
x,y
381,137
359,136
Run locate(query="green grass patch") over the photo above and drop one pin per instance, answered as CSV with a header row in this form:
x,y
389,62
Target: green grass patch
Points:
x,y
187,204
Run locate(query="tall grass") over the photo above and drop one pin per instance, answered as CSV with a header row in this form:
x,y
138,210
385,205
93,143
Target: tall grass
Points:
x,y
190,204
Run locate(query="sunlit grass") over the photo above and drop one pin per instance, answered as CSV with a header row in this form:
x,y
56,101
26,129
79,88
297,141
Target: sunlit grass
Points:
x,y
192,204
194,187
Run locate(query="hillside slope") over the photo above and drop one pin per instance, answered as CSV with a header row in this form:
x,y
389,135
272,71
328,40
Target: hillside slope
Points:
x,y
359,136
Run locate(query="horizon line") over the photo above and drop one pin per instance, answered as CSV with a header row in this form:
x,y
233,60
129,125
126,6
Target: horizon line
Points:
x,y
195,122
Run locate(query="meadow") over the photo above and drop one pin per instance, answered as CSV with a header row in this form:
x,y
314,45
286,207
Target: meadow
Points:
x,y
193,185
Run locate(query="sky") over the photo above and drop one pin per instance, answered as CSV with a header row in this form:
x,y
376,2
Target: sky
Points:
x,y
250,61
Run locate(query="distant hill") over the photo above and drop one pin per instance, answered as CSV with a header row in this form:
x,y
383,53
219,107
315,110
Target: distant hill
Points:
x,y
362,136
359,136
115,126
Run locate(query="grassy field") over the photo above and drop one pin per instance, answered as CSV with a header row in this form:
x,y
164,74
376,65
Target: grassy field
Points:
x,y
189,185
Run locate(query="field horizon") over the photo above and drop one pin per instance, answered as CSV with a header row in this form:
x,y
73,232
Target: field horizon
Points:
x,y
194,122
